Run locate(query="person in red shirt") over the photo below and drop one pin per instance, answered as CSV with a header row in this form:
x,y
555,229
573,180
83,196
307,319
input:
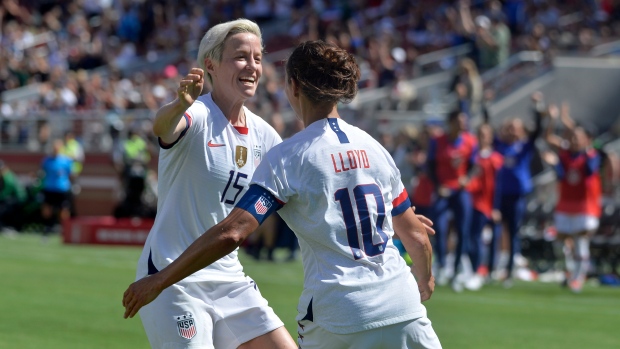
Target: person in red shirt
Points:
x,y
578,208
450,161
423,191
485,198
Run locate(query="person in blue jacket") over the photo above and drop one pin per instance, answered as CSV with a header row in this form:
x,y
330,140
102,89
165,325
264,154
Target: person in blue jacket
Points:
x,y
517,146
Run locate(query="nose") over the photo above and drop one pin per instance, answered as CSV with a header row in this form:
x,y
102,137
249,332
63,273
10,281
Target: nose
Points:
x,y
252,65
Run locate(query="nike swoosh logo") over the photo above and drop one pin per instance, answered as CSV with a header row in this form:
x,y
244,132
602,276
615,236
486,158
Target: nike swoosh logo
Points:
x,y
211,144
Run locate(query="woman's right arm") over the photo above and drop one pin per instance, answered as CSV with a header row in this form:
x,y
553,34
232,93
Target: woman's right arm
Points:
x,y
169,121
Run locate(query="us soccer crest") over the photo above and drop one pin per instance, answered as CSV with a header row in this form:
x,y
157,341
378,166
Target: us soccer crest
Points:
x,y
241,156
186,326
258,155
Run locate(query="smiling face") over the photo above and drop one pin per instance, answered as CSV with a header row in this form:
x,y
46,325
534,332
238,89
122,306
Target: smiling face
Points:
x,y
236,76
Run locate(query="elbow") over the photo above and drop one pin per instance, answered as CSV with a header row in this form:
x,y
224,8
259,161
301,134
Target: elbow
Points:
x,y
158,129
231,237
230,240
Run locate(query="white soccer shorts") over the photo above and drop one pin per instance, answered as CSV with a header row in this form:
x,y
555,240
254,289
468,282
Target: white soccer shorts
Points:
x,y
207,315
412,334
575,223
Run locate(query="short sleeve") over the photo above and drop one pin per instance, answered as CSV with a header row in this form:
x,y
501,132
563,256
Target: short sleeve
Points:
x,y
271,174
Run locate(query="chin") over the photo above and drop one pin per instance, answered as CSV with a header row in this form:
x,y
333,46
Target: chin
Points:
x,y
249,93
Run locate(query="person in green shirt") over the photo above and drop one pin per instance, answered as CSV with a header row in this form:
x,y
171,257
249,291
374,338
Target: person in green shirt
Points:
x,y
12,196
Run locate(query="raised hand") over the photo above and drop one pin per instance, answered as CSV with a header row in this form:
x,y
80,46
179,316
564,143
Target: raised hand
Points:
x,y
191,86
553,111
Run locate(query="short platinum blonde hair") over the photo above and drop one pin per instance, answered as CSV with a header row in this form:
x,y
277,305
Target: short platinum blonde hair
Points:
x,y
212,43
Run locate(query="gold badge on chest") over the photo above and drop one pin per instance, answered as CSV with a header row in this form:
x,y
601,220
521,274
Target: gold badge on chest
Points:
x,y
241,156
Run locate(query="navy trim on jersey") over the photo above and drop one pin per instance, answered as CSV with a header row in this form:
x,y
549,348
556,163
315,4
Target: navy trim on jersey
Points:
x,y
151,266
333,124
259,202
400,208
188,123
309,315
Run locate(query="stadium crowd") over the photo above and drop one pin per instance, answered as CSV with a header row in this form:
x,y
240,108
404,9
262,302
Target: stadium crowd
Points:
x,y
83,54
93,57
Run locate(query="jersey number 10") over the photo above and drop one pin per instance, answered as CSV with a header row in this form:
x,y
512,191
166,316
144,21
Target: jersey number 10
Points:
x,y
360,192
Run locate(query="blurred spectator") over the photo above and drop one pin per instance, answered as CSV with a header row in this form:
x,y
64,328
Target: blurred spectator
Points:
x,y
578,209
132,165
74,150
468,86
485,197
423,191
450,162
490,34
518,148
402,154
57,172
12,197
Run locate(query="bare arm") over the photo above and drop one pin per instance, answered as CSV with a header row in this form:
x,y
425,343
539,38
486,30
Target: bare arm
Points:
x,y
550,137
169,121
412,233
217,242
565,117
467,23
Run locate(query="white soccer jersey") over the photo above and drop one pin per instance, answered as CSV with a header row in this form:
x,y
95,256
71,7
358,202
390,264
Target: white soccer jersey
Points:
x,y
339,189
201,177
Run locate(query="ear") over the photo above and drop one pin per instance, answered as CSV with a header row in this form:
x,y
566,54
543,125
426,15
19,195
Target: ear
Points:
x,y
210,66
295,86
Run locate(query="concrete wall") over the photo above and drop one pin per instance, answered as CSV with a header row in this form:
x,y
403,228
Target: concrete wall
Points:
x,y
592,85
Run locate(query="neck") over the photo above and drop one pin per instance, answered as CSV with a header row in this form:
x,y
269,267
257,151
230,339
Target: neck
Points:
x,y
232,109
310,112
454,134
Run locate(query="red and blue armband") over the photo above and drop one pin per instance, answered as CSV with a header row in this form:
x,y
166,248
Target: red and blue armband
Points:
x,y
401,203
259,202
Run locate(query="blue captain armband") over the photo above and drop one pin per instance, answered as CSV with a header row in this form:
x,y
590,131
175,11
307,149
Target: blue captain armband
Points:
x,y
259,202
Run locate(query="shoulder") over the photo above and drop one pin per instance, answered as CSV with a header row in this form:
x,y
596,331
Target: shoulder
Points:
x,y
470,138
294,149
201,108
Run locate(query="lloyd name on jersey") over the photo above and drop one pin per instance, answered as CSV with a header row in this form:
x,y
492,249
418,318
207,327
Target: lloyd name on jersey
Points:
x,y
351,160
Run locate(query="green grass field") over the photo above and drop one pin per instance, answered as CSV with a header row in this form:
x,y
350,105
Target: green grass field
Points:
x,y
58,296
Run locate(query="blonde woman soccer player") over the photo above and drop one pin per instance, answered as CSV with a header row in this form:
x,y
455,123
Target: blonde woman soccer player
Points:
x,y
340,192
210,147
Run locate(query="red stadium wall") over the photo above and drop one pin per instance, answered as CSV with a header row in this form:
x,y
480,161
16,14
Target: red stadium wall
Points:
x,y
99,181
